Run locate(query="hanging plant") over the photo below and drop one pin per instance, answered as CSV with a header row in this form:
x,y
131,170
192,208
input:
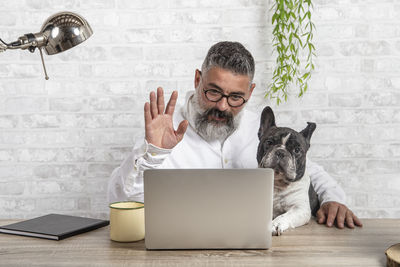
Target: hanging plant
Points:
x,y
292,34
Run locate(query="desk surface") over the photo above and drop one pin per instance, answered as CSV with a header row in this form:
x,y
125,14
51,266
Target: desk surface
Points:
x,y
309,245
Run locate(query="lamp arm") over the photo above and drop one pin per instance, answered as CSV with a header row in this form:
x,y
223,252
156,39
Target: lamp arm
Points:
x,y
28,41
3,46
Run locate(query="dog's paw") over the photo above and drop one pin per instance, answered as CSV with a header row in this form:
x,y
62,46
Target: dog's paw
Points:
x,y
279,225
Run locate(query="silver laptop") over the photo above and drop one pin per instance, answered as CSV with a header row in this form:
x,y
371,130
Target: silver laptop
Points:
x,y
208,208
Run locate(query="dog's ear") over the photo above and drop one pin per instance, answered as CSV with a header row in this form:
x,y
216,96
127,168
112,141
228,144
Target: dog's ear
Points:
x,y
308,131
267,121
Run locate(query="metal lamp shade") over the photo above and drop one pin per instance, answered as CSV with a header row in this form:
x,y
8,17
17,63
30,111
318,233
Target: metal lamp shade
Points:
x,y
65,30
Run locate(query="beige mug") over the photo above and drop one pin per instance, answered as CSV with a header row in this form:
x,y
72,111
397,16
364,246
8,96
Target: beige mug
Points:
x,y
127,221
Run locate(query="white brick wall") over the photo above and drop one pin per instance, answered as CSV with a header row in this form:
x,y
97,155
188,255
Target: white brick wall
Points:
x,y
60,139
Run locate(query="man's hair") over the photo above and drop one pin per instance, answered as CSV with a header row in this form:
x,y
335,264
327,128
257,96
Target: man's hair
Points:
x,y
232,56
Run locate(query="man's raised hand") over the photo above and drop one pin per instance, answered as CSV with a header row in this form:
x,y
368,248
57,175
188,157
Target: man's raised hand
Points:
x,y
159,126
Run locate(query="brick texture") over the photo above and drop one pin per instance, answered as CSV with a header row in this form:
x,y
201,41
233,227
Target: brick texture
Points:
x,y
60,139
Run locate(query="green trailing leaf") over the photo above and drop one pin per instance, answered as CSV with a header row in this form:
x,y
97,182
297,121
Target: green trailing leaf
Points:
x,y
292,33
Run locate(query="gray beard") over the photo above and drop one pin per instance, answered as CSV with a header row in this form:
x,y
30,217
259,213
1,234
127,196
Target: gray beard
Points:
x,y
211,131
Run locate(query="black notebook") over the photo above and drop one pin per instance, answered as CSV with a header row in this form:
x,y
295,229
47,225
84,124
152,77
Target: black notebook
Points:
x,y
53,226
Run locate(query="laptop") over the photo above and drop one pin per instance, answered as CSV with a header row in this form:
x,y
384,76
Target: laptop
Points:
x,y
208,208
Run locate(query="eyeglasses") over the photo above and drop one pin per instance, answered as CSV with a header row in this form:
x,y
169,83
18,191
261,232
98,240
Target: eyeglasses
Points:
x,y
233,100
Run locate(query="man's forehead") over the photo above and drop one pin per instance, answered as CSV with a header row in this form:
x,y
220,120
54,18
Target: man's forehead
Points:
x,y
227,80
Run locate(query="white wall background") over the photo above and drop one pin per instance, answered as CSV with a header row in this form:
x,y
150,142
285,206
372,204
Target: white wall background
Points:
x,y
60,139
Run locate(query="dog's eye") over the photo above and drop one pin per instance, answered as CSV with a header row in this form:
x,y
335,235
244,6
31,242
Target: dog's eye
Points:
x,y
297,150
268,142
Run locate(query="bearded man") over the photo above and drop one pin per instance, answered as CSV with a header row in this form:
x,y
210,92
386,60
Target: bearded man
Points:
x,y
214,130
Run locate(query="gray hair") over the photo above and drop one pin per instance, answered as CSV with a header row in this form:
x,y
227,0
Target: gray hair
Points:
x,y
232,56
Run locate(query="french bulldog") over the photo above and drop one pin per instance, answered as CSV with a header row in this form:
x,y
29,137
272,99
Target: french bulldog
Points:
x,y
284,150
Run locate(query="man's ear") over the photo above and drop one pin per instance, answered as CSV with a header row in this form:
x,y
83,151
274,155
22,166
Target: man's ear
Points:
x,y
267,121
197,78
252,86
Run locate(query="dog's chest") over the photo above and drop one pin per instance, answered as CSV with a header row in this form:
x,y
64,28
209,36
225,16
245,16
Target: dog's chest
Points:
x,y
294,194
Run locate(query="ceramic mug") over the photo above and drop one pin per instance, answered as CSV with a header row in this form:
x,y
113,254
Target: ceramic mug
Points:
x,y
127,221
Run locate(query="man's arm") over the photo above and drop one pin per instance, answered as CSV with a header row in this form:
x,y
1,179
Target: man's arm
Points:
x,y
126,182
160,137
332,199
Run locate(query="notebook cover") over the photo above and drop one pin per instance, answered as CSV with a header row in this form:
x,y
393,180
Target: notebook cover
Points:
x,y
53,226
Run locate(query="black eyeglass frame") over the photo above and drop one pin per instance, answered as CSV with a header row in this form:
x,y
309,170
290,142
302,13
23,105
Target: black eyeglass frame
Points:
x,y
222,95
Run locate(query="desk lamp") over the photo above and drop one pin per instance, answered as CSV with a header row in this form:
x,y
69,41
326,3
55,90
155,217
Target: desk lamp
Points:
x,y
60,32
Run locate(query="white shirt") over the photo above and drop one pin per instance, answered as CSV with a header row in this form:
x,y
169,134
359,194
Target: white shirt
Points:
x,y
238,151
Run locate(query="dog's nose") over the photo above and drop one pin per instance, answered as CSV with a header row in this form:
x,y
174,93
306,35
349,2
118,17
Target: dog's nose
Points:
x,y
280,154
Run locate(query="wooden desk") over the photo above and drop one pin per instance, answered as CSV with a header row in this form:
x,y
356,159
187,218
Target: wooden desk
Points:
x,y
310,245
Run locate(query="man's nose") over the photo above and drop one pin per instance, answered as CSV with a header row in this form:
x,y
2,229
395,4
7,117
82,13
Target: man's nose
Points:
x,y
222,104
